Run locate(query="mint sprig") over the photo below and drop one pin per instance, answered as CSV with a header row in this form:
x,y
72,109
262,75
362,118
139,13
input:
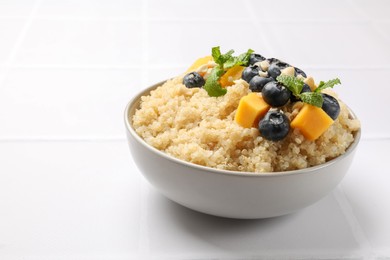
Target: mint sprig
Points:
x,y
224,62
295,85
312,98
329,84
219,58
212,85
240,60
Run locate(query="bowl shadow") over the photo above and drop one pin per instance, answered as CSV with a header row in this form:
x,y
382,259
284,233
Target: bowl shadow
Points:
x,y
317,229
219,233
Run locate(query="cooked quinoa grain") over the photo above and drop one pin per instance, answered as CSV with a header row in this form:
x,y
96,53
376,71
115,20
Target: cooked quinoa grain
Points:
x,y
190,125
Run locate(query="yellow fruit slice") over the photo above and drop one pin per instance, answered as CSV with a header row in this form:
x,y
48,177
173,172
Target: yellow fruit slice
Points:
x,y
231,75
199,62
251,109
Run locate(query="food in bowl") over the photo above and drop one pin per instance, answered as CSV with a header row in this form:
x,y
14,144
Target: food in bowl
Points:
x,y
246,113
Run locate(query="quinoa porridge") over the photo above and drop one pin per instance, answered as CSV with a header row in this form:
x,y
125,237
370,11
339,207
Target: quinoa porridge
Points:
x,y
191,124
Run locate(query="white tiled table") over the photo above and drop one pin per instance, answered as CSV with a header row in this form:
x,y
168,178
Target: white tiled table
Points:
x,y
68,186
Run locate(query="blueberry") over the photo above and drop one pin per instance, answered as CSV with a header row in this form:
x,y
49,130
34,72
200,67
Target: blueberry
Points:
x,y
257,83
331,106
250,72
273,60
275,94
275,68
193,80
274,126
254,57
306,88
298,71
281,64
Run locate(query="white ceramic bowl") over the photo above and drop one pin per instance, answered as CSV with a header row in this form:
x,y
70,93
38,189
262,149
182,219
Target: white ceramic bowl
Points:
x,y
233,194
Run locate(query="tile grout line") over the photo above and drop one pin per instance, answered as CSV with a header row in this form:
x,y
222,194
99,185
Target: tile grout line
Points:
x,y
143,243
376,137
122,19
353,222
19,41
45,139
23,32
162,66
116,138
363,20
145,41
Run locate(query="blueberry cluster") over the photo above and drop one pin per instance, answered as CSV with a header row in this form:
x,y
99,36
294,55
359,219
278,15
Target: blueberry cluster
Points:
x,y
261,75
262,71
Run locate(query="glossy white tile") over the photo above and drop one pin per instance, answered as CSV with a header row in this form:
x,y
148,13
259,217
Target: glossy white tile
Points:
x,y
305,11
68,199
99,9
66,103
330,45
175,230
354,92
374,10
383,28
227,10
9,31
179,44
366,188
73,43
10,8
156,75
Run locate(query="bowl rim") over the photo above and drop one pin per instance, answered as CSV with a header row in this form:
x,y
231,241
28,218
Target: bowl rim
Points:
x,y
129,127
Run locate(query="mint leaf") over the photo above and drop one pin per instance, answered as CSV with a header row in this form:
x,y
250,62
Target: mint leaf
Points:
x,y
212,85
292,83
225,62
295,85
240,60
329,84
216,53
219,58
226,57
243,58
312,98
230,63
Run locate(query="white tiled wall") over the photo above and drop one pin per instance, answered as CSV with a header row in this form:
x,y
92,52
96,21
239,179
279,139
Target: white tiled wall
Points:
x,y
68,186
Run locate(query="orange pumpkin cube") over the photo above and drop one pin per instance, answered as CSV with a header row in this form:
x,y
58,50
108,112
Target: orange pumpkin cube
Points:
x,y
251,109
311,121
